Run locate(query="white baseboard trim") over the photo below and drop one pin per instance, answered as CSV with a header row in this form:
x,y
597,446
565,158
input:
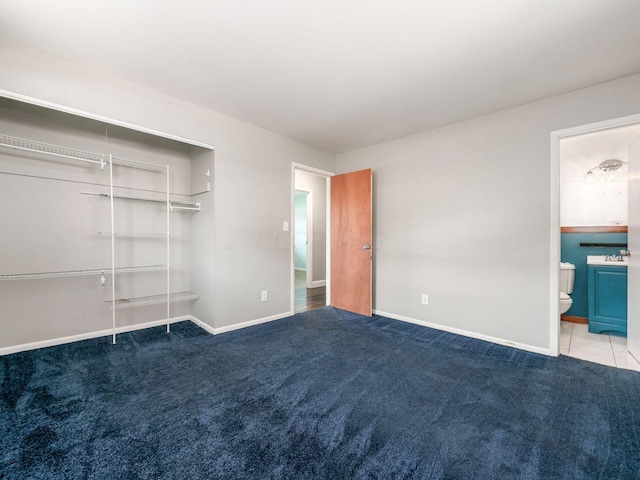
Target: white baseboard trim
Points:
x,y
202,325
238,326
85,336
251,323
318,283
465,333
258,321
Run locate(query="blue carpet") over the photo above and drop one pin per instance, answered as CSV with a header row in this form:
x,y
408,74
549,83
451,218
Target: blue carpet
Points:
x,y
322,395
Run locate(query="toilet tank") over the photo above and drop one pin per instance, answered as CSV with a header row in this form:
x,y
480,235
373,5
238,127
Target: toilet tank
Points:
x,y
567,277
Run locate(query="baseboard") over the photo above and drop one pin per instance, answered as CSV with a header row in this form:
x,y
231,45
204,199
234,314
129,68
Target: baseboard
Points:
x,y
202,325
250,323
85,336
574,319
318,284
465,333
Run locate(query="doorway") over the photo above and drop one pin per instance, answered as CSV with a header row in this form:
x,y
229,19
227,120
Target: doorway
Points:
x,y
310,238
576,211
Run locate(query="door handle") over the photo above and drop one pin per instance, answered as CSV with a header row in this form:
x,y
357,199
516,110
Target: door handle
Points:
x,y
366,247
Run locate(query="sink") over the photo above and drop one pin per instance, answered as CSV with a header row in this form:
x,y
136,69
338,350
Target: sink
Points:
x,y
602,260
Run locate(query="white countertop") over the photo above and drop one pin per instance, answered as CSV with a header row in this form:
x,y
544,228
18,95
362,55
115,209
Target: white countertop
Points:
x,y
601,260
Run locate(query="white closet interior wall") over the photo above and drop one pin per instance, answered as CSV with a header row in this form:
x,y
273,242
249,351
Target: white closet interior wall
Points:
x,y
47,225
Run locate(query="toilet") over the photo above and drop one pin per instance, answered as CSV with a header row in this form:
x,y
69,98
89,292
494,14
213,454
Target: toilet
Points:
x,y
567,277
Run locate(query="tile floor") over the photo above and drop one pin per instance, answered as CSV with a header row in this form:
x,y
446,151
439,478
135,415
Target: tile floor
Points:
x,y
576,341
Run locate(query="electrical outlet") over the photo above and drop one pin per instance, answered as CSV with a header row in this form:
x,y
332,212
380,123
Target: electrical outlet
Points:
x,y
264,297
425,299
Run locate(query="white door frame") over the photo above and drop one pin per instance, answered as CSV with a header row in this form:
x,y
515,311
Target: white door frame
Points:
x,y
323,173
554,227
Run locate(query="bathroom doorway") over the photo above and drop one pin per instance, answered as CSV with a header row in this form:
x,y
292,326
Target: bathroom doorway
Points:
x,y
592,219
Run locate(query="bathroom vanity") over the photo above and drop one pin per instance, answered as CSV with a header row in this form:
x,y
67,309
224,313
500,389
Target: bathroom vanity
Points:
x,y
607,296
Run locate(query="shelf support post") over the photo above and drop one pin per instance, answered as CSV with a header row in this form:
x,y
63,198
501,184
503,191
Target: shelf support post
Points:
x,y
113,253
168,254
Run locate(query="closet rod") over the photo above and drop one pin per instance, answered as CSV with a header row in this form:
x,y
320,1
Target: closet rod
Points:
x,y
133,235
80,273
194,209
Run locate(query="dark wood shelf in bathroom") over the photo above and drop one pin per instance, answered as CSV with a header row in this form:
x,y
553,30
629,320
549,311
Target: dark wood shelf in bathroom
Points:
x,y
602,229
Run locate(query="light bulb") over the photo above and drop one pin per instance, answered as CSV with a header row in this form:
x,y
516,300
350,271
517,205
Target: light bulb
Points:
x,y
589,178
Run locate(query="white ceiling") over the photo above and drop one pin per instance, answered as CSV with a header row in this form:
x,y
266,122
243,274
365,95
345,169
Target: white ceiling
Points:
x,y
342,74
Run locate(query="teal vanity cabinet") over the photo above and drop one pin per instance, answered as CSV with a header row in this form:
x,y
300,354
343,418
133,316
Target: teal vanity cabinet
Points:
x,y
607,299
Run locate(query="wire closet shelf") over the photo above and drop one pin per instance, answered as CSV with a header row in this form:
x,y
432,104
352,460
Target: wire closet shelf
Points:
x,y
151,300
173,203
22,144
50,149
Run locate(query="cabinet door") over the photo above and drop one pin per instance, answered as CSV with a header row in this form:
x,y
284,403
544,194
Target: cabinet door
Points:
x,y
607,299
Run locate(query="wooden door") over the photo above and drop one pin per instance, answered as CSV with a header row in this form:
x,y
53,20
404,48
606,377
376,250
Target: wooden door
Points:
x,y
351,241
633,285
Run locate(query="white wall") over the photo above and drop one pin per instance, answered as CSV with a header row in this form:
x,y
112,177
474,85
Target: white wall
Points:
x,y
251,178
462,213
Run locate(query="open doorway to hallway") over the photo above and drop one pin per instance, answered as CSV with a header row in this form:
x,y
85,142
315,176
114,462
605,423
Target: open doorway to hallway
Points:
x,y
308,298
310,239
